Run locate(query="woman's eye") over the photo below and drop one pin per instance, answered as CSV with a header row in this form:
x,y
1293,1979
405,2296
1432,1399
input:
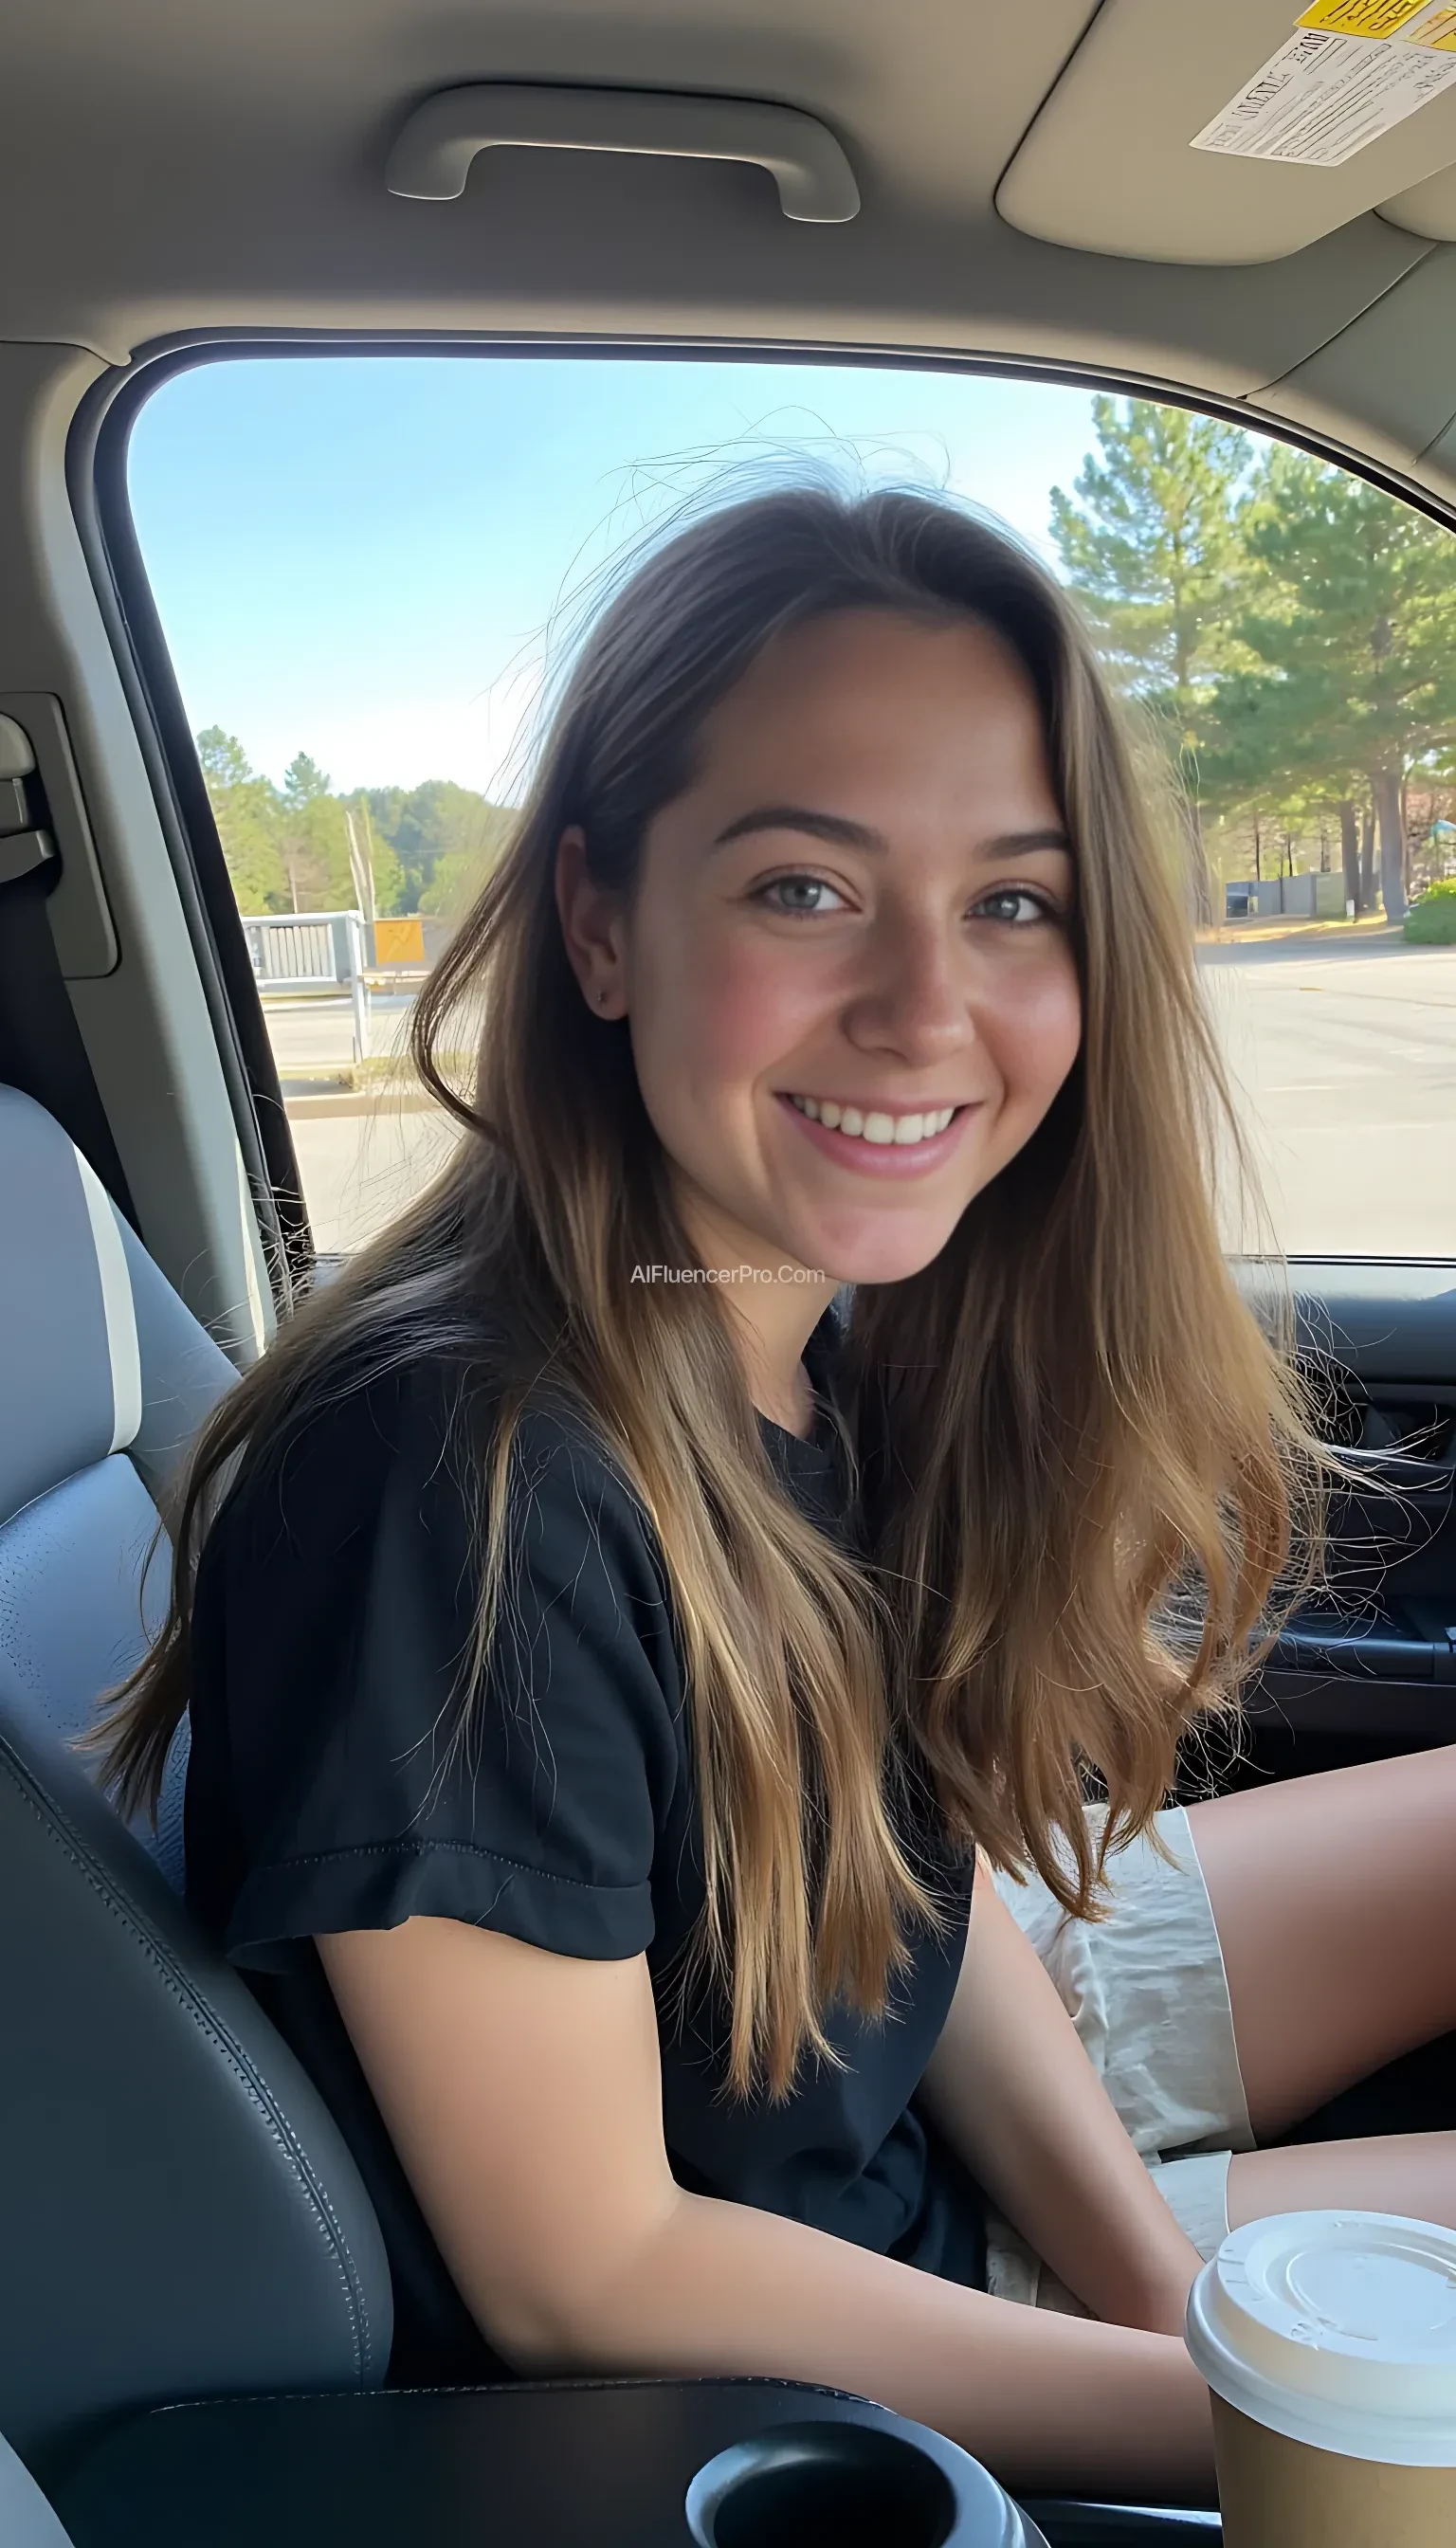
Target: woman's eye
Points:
x,y
1013,903
802,896
795,886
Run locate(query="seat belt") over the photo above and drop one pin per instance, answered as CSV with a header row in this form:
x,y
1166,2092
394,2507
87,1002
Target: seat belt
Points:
x,y
41,1051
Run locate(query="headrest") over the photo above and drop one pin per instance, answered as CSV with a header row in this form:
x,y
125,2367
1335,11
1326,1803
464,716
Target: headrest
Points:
x,y
70,1366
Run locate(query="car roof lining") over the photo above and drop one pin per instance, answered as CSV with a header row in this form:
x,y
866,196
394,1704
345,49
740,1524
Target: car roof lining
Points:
x,y
171,173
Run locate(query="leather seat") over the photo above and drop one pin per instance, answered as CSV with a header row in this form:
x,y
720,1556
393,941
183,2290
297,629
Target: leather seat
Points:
x,y
26,2519
182,2217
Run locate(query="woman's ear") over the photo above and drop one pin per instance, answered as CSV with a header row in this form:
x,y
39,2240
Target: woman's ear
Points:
x,y
591,927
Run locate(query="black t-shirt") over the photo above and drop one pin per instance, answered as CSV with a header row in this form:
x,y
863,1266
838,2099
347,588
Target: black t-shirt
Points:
x,y
334,1603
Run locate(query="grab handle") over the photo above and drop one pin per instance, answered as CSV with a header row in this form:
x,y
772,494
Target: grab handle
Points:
x,y
430,160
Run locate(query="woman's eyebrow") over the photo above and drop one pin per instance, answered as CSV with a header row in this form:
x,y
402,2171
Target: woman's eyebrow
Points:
x,y
844,833
802,818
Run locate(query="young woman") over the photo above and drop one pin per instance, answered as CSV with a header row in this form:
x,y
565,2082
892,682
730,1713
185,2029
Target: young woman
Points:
x,y
625,1691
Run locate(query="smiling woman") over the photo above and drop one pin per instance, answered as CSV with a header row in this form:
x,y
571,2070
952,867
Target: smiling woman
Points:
x,y
923,964
634,1675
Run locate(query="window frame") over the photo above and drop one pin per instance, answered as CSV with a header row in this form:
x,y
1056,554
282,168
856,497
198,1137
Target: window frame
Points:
x,y
96,463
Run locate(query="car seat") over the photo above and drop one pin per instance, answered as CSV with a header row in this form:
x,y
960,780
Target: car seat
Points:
x,y
182,2218
26,2519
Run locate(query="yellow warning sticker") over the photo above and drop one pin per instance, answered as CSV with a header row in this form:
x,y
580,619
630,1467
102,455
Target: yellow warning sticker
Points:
x,y
1360,17
1435,26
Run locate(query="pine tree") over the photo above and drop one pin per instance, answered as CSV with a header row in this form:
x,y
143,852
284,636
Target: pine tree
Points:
x,y
248,813
1352,626
1152,549
315,840
302,782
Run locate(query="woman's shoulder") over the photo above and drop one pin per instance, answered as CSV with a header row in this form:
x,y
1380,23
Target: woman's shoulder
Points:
x,y
415,1439
353,1551
358,1754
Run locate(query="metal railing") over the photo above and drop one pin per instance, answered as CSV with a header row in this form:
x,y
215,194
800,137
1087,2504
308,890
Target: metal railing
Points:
x,y
314,952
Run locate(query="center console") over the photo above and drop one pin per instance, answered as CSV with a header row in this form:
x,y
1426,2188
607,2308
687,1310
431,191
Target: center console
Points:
x,y
562,2464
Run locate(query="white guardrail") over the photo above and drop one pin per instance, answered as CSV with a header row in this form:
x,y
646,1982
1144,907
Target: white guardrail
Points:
x,y
312,952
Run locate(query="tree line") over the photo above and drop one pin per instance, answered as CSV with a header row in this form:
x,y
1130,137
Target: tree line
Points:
x,y
288,848
1287,630
1291,631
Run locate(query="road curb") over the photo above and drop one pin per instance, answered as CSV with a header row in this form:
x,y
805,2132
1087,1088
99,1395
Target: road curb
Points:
x,y
1259,933
303,1105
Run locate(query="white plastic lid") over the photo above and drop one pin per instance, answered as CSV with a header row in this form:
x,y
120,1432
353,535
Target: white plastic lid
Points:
x,y
1337,2329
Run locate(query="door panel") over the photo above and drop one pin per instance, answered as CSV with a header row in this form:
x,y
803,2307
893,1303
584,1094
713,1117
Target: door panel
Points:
x,y
1372,1661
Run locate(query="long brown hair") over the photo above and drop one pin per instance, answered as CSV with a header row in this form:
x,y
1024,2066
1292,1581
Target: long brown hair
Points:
x,y
1088,1473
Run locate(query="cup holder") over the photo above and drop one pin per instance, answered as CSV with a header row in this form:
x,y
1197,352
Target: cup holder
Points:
x,y
841,2483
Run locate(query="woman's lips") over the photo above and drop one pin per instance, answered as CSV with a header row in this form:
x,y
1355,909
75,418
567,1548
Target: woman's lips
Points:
x,y
883,1159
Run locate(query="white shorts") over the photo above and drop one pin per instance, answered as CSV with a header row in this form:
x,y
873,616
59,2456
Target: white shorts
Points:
x,y
1148,1996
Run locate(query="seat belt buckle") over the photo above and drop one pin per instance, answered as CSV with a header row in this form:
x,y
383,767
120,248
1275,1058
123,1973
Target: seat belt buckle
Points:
x,y
22,853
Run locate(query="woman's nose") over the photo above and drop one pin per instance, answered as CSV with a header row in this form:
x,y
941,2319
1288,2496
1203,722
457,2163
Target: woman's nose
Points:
x,y
919,996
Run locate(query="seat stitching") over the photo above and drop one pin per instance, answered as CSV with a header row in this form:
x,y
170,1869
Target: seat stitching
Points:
x,y
587,2382
56,1828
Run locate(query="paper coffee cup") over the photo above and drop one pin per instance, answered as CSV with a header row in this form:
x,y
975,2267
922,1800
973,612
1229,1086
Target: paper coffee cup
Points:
x,y
1328,2340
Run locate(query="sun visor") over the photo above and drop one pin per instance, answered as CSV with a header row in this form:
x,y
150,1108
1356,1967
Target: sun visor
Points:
x,y
1233,131
1429,209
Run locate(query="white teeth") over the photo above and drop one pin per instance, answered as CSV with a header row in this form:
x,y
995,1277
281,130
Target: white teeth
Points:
x,y
903,1130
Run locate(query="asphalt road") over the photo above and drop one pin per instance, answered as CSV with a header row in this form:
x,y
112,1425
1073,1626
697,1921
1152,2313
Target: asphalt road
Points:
x,y
1341,1054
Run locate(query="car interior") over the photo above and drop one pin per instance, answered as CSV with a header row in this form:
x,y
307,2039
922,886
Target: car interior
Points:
x,y
195,2308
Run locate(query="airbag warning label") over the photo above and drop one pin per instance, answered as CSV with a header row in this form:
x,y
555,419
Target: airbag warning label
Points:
x,y
1369,17
1351,69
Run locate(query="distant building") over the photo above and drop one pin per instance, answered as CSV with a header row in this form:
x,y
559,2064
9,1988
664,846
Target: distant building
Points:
x,y
1296,897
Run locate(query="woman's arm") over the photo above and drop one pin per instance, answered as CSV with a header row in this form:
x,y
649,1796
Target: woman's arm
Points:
x,y
1011,2087
523,2091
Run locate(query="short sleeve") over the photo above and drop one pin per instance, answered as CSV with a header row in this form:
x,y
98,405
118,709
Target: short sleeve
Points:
x,y
334,1782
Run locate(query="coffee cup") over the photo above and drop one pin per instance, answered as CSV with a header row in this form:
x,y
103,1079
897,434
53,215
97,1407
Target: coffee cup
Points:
x,y
868,2480
1328,2341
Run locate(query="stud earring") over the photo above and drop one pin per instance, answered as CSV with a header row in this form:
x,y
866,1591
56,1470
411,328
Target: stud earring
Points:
x,y
601,996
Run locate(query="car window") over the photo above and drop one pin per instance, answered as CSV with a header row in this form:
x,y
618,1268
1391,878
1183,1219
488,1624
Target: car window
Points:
x,y
366,566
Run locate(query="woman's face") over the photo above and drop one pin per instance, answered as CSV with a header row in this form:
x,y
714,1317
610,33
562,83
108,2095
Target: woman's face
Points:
x,y
853,925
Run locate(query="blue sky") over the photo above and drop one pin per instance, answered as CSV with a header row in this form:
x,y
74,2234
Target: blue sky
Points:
x,y
360,557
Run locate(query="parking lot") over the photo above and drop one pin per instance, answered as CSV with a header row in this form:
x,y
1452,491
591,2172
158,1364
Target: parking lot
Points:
x,y
1341,1050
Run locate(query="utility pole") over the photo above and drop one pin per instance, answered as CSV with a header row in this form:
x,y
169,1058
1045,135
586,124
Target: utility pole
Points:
x,y
368,838
361,869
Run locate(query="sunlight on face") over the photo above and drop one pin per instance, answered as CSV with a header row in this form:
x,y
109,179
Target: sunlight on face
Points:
x,y
861,900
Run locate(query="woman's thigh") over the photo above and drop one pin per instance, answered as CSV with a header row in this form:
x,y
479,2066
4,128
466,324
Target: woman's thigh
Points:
x,y
1413,2173
1145,1991
1334,1899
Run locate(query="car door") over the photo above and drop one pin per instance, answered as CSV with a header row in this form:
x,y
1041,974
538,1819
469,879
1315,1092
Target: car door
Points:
x,y
1374,1662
